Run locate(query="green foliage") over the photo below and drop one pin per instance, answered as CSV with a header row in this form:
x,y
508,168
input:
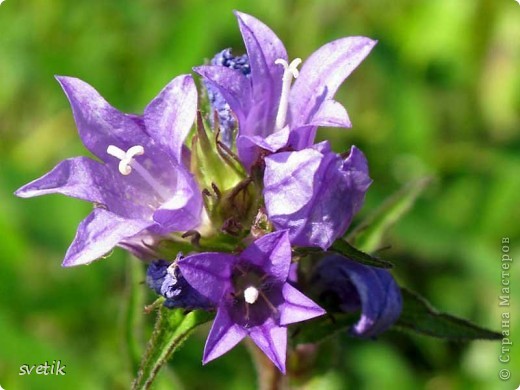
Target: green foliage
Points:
x,y
421,317
368,235
172,328
439,96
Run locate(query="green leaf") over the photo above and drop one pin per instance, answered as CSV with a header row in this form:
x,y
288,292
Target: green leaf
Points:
x,y
421,317
320,329
343,247
369,234
172,328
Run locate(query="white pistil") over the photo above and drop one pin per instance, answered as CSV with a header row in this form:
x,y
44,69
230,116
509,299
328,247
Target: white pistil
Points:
x,y
128,162
125,167
251,295
290,72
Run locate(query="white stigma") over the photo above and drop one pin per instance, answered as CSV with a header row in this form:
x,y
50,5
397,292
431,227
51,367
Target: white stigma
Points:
x,y
290,72
251,294
125,165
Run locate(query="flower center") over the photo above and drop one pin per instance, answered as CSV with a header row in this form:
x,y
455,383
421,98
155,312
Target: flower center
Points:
x,y
251,295
128,162
290,72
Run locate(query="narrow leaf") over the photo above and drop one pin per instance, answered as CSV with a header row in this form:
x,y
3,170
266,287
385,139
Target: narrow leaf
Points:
x,y
369,234
172,328
421,317
343,247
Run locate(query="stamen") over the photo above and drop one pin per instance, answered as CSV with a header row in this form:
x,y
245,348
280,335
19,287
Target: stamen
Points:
x,y
125,167
290,72
271,306
251,294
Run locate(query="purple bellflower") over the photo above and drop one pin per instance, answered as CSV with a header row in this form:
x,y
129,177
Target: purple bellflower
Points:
x,y
252,295
140,185
314,193
271,113
166,280
353,287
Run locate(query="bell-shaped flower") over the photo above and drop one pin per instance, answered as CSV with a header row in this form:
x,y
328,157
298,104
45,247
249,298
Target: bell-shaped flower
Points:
x,y
252,294
271,113
314,193
139,185
356,287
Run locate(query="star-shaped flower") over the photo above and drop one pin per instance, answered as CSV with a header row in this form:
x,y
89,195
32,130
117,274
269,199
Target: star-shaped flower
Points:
x,y
271,113
139,185
252,294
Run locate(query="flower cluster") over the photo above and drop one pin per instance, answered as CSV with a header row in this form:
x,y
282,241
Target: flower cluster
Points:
x,y
253,187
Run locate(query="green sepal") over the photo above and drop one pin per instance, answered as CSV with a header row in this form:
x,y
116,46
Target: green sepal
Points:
x,y
172,328
420,316
211,162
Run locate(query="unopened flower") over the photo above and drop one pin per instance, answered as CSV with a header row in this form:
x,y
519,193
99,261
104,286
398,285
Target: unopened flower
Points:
x,y
272,113
357,287
166,280
226,118
140,185
252,295
314,193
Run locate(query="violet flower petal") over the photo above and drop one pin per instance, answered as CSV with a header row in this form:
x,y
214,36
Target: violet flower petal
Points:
x,y
208,273
169,116
272,340
99,124
98,234
297,307
75,177
183,210
272,253
263,49
320,77
223,336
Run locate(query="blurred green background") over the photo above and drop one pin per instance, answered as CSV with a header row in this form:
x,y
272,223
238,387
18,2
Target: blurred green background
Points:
x,y
439,96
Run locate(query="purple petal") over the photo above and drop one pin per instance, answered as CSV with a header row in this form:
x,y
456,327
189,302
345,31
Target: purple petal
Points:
x,y
90,180
232,84
272,340
223,336
354,284
249,147
320,77
98,234
332,114
209,273
314,194
272,253
76,177
169,117
183,210
99,124
263,49
297,307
